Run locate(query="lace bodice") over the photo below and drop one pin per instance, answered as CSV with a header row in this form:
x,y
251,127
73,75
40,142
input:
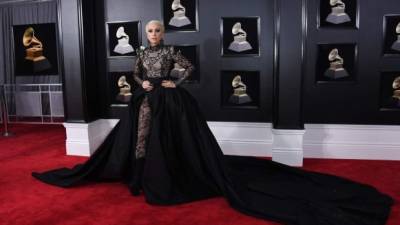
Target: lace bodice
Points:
x,y
157,61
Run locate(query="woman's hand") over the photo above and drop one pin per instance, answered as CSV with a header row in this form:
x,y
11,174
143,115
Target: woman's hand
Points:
x,y
168,84
147,86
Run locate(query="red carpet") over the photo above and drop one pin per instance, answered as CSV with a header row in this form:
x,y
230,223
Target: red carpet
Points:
x,y
24,200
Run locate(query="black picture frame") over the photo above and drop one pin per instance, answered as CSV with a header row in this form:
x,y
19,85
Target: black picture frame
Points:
x,y
250,78
191,52
387,102
114,89
45,33
347,51
191,13
132,29
352,9
390,22
251,25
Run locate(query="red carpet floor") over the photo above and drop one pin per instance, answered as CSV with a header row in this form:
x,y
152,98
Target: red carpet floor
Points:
x,y
24,200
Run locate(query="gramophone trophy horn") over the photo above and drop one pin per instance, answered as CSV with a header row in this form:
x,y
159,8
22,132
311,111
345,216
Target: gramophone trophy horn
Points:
x,y
29,39
396,44
121,33
237,82
396,83
124,86
396,87
335,57
333,54
337,3
237,29
177,6
34,51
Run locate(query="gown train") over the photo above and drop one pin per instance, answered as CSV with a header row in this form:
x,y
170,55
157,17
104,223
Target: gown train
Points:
x,y
184,163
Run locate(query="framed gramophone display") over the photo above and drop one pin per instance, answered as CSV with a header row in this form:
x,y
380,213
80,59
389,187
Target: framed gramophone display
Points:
x,y
35,49
180,15
390,91
191,52
336,63
121,86
391,31
123,38
338,14
240,36
240,89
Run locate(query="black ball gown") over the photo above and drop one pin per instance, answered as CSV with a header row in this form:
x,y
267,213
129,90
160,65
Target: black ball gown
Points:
x,y
183,162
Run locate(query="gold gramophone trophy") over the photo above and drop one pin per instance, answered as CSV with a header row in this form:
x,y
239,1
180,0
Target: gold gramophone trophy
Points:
x,y
239,43
124,94
335,69
338,14
396,92
239,95
34,51
396,44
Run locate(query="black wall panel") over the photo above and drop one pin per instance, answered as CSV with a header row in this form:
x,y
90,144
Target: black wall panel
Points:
x,y
290,36
288,64
350,102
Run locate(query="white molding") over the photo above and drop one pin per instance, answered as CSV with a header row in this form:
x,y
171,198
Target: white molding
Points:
x,y
84,138
287,147
239,138
375,142
341,141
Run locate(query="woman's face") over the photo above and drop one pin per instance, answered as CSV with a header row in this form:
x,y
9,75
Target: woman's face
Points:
x,y
154,34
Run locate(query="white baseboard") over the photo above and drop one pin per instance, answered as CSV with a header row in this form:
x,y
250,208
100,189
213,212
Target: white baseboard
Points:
x,y
376,142
373,142
250,139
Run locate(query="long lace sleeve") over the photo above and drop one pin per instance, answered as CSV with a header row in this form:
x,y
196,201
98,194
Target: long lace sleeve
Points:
x,y
138,70
184,62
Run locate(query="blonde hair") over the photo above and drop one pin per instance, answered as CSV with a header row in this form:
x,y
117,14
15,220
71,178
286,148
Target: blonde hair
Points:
x,y
158,23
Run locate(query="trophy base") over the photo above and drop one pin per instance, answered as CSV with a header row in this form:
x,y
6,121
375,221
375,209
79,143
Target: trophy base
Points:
x,y
240,46
239,99
123,98
34,54
396,46
37,65
338,19
179,21
123,49
336,74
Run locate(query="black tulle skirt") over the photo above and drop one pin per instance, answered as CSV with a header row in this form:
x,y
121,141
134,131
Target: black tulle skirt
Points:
x,y
184,163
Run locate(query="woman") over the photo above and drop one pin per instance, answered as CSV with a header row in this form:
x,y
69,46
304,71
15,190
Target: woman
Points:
x,y
163,147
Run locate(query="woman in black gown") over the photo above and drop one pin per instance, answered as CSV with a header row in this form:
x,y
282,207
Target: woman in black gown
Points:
x,y
163,147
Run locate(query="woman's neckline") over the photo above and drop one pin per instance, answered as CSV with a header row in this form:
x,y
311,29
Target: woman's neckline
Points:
x,y
155,47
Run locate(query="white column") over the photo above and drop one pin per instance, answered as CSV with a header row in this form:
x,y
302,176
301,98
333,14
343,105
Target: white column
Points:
x,y
287,147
